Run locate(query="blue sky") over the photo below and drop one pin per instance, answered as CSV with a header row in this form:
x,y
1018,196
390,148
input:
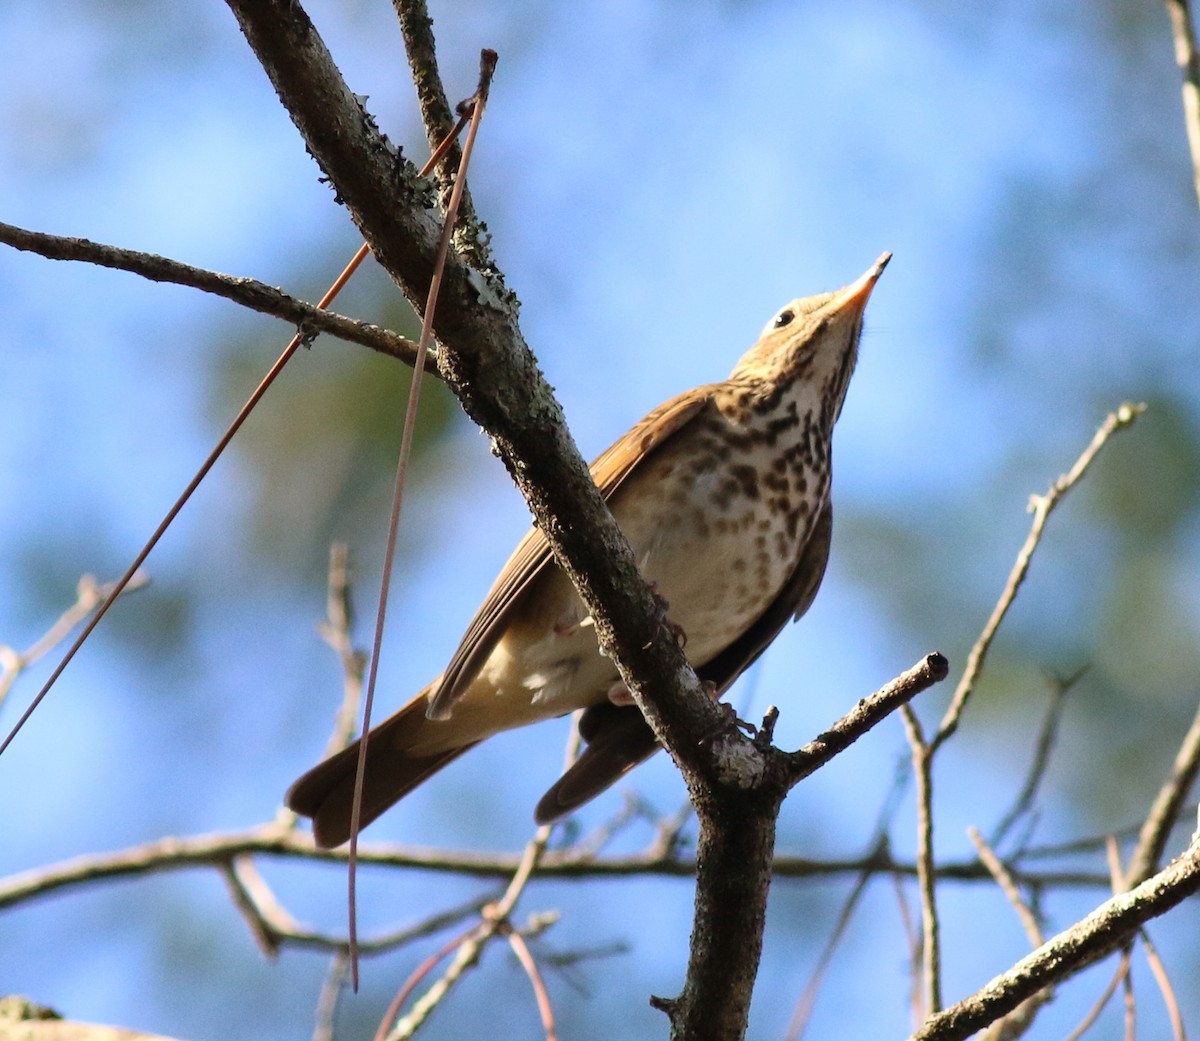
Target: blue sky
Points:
x,y
659,178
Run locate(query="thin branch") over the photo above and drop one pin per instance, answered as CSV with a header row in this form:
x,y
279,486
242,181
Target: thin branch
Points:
x,y
1184,33
268,922
215,850
1041,506
1018,1022
1047,733
327,1000
476,107
541,996
248,292
88,596
470,235
414,980
1106,929
495,921
197,478
802,1013
1008,886
1166,807
336,630
931,950
1118,977
1159,972
865,715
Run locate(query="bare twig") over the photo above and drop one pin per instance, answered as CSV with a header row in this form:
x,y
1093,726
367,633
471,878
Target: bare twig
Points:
x,y
1041,506
866,714
414,980
248,292
1159,972
1047,733
1008,887
337,631
1184,33
268,922
931,951
808,996
209,462
88,595
213,851
1016,1023
1118,977
1166,807
495,920
529,964
417,28
327,1000
1107,928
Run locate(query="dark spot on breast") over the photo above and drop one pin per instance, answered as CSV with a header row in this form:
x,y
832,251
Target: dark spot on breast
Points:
x,y
747,477
722,496
775,479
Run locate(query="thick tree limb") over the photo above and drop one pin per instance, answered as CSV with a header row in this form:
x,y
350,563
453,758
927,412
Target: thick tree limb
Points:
x,y
487,363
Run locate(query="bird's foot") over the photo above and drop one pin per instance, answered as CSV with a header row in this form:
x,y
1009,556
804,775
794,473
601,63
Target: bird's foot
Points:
x,y
729,720
570,628
618,694
674,628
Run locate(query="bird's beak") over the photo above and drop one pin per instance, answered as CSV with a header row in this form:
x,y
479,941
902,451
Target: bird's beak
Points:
x,y
858,292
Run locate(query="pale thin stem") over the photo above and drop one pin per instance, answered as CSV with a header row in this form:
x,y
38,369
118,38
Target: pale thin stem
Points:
x,y
1118,977
327,1000
1041,506
1167,806
1008,886
87,595
1184,33
1170,1001
808,997
1108,928
1016,1023
496,918
336,631
931,960
1047,733
541,996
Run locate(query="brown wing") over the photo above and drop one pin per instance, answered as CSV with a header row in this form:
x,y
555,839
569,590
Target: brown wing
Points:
x,y
619,738
533,552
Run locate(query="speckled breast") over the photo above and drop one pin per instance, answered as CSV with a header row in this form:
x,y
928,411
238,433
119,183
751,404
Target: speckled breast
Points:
x,y
719,517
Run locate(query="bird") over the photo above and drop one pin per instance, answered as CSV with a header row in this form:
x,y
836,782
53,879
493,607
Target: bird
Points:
x,y
723,493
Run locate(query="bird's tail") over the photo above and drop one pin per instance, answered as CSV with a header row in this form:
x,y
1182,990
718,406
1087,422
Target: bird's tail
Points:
x,y
326,792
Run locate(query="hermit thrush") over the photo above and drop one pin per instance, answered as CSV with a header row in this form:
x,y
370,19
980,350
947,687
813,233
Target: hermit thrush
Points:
x,y
723,494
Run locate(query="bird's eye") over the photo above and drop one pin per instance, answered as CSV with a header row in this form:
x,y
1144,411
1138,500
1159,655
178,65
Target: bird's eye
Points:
x,y
784,318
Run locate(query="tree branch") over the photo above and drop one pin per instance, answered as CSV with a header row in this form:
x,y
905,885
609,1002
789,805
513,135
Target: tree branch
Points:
x,y
438,117
1110,926
488,365
251,294
1186,56
1041,506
